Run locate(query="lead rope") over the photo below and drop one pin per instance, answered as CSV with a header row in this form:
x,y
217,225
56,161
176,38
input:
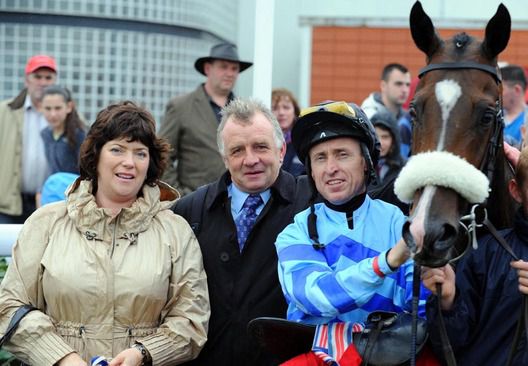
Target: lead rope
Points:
x,y
446,345
415,301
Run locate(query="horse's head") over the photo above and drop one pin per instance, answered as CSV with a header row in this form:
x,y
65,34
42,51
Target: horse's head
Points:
x,y
457,132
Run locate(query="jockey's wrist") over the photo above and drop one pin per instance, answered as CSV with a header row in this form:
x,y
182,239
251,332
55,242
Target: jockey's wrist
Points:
x,y
397,255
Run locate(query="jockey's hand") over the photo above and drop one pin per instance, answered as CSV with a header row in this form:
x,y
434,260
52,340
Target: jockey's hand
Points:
x,y
512,154
446,277
522,271
398,255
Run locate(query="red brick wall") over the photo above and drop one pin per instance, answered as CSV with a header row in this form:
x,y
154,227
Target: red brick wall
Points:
x,y
347,61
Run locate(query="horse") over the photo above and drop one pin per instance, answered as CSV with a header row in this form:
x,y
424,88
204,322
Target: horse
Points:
x,y
458,159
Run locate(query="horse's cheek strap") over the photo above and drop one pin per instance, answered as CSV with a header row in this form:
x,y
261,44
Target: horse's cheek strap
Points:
x,y
441,168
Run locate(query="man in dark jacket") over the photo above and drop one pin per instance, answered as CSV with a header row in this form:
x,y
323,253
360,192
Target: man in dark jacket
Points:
x,y
239,256
481,303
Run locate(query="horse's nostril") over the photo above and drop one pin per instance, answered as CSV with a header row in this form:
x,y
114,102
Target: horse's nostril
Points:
x,y
448,233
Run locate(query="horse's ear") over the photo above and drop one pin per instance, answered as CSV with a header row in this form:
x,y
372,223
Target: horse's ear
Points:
x,y
497,33
423,31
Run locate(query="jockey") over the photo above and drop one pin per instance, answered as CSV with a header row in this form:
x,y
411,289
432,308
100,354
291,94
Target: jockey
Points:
x,y
343,258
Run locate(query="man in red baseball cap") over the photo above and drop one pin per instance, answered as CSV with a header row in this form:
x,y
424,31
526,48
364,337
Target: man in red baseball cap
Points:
x,y
24,166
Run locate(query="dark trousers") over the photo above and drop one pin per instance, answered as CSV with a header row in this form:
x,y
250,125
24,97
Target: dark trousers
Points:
x,y
28,206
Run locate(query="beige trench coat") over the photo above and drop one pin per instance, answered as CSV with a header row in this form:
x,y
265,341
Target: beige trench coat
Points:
x,y
101,283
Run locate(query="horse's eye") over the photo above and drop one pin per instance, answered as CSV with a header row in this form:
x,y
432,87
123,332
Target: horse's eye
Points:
x,y
488,117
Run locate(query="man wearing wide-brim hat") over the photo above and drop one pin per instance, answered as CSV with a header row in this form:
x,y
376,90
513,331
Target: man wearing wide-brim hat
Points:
x,y
191,120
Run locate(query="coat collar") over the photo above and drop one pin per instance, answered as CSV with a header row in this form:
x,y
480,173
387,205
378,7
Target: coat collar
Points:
x,y
96,223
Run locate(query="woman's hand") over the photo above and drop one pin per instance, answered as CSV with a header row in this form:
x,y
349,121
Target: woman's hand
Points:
x,y
446,277
72,359
522,271
128,357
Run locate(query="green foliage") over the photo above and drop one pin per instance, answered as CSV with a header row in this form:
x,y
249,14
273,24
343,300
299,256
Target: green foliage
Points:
x,y
3,267
6,358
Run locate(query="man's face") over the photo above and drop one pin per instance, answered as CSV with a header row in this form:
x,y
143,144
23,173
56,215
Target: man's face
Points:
x,y
396,88
338,169
385,139
251,154
37,81
511,93
222,75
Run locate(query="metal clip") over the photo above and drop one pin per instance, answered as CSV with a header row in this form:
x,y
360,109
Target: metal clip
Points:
x,y
473,224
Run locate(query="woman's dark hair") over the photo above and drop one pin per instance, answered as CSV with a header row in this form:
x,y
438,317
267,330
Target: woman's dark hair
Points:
x,y
131,122
73,122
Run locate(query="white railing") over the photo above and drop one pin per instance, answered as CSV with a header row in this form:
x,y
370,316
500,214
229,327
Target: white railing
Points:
x,y
8,237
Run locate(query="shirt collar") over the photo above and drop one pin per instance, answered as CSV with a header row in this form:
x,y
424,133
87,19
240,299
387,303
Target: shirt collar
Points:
x,y
238,197
230,97
28,104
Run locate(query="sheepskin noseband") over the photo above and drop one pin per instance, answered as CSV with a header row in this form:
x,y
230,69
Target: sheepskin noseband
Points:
x,y
441,168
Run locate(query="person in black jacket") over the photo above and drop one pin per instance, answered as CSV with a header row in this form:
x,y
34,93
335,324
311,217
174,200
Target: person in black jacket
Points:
x,y
481,303
390,162
242,272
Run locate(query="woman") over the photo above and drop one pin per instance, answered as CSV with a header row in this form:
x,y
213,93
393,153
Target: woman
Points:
x,y
286,109
65,133
112,270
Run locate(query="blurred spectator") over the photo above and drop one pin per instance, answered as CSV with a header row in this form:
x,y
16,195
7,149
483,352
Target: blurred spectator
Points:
x,y
404,123
191,121
395,86
286,109
390,162
65,133
513,90
394,91
55,186
24,166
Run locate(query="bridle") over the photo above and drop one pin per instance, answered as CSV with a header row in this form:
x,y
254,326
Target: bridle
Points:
x,y
474,219
495,142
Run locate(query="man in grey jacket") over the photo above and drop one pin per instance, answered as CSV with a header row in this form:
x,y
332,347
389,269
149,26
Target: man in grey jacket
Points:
x,y
191,120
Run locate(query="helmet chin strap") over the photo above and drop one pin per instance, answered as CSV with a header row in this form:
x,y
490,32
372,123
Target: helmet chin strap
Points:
x,y
370,175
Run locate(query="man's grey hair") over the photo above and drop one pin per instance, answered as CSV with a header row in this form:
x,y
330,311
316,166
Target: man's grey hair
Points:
x,y
241,110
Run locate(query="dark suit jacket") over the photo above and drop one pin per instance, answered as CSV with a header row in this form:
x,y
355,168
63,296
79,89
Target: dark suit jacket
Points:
x,y
190,127
242,286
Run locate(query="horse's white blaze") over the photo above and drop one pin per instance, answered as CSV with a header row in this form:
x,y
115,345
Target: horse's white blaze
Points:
x,y
447,93
421,212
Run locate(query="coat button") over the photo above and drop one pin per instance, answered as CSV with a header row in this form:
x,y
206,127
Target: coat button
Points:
x,y
224,256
